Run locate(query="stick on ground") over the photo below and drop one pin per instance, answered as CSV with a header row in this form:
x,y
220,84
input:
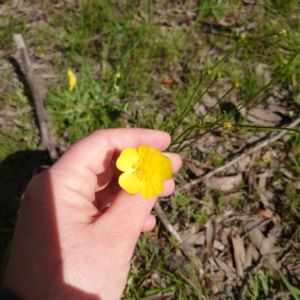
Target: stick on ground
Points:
x,y
46,141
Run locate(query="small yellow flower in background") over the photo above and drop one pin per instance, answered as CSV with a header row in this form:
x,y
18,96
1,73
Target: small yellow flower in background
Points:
x,y
208,71
144,171
117,76
226,125
266,158
236,85
72,80
282,32
218,75
242,36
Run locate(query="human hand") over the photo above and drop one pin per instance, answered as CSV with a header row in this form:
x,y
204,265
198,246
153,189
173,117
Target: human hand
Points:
x,y
67,244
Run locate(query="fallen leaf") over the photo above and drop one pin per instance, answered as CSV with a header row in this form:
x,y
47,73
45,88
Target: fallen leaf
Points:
x,y
224,23
254,253
208,100
239,167
263,73
226,183
221,265
297,185
264,117
248,258
210,233
192,239
265,213
168,81
262,243
194,168
218,276
156,277
267,199
207,143
218,245
239,254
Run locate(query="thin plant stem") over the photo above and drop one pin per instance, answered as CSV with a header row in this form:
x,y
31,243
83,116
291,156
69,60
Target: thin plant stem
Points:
x,y
218,102
187,132
178,149
187,109
262,89
267,127
194,139
185,136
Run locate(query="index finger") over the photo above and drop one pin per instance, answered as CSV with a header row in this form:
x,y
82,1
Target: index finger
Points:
x,y
95,151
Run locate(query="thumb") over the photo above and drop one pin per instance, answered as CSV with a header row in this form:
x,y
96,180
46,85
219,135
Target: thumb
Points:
x,y
125,219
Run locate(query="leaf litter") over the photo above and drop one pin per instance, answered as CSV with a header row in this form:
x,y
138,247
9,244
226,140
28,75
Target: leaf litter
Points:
x,y
240,232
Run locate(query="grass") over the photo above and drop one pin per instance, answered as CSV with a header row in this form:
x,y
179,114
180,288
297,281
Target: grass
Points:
x,y
123,54
88,107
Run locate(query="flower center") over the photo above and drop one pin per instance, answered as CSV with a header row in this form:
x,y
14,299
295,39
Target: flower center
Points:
x,y
142,169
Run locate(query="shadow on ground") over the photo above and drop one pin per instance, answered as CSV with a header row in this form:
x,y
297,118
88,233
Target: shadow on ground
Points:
x,y
15,172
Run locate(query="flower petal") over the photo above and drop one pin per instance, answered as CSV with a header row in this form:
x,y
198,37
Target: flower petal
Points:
x,y
72,80
127,159
148,153
152,187
130,183
163,167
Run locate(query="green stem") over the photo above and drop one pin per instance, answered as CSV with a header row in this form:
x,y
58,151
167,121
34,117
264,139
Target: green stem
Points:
x,y
218,102
186,107
195,138
267,85
267,127
186,110
185,133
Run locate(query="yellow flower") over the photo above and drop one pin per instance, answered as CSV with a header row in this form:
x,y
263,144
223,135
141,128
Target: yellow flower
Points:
x,y
266,158
219,75
72,80
208,72
236,85
226,125
144,171
242,36
282,32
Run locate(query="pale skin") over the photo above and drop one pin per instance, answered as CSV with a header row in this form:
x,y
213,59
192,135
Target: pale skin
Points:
x,y
67,244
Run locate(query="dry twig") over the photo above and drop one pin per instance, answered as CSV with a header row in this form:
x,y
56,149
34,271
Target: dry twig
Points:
x,y
46,142
159,296
161,214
